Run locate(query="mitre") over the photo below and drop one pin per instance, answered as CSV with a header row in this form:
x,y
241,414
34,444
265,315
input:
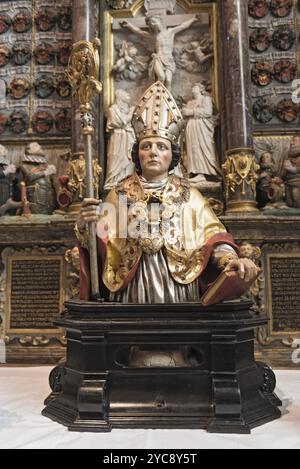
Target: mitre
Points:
x,y
157,115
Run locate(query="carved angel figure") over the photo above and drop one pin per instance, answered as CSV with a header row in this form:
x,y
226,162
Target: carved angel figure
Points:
x,y
197,57
129,65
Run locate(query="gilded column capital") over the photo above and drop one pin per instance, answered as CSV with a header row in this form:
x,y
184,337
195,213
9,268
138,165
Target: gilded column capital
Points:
x,y
240,176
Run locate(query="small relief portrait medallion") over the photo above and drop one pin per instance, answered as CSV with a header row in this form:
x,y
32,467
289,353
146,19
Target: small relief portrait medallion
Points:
x,y
260,40
258,8
21,53
287,111
262,73
263,110
3,123
22,21
5,55
64,18
5,23
63,121
281,8
45,19
285,71
63,53
283,38
18,122
42,122
63,87
44,86
44,53
18,88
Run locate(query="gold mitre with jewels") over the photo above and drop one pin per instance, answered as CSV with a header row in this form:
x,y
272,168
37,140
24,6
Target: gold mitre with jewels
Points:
x,y
157,115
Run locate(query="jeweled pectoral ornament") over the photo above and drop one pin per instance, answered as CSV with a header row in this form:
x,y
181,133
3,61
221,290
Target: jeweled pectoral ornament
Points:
x,y
285,71
287,111
21,53
260,40
281,8
42,122
258,8
22,21
262,73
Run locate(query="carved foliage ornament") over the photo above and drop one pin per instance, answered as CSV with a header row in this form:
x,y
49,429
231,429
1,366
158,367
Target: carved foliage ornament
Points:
x,y
19,88
263,110
260,40
21,52
281,8
258,8
44,86
83,71
287,111
18,122
283,38
5,23
22,21
45,19
240,171
285,71
262,73
4,55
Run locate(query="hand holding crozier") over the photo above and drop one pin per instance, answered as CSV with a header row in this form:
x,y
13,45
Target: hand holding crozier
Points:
x,y
89,212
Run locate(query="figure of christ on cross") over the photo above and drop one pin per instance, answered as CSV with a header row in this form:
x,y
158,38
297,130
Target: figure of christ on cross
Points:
x,y
163,65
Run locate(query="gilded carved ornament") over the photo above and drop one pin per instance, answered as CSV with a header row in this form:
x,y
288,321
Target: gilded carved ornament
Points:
x,y
240,171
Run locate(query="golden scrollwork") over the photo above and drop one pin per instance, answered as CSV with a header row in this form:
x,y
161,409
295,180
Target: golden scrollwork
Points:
x,y
83,71
77,176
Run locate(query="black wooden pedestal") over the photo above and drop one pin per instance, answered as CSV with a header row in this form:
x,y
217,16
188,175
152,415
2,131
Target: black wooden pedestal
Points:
x,y
222,389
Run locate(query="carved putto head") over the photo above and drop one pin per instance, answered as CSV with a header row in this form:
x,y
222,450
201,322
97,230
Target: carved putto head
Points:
x,y
157,115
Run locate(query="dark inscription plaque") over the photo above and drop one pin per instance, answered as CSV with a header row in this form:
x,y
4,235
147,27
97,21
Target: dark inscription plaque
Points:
x,y
285,293
35,293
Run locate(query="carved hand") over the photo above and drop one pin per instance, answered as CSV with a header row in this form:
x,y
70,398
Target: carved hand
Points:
x,y
88,212
50,170
246,269
186,112
10,169
289,167
124,24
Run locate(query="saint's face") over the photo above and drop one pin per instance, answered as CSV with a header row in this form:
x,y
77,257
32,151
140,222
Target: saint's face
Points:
x,y
155,154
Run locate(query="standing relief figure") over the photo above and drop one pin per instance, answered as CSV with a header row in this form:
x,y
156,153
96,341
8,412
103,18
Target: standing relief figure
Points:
x,y
39,179
7,182
162,66
121,139
201,159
